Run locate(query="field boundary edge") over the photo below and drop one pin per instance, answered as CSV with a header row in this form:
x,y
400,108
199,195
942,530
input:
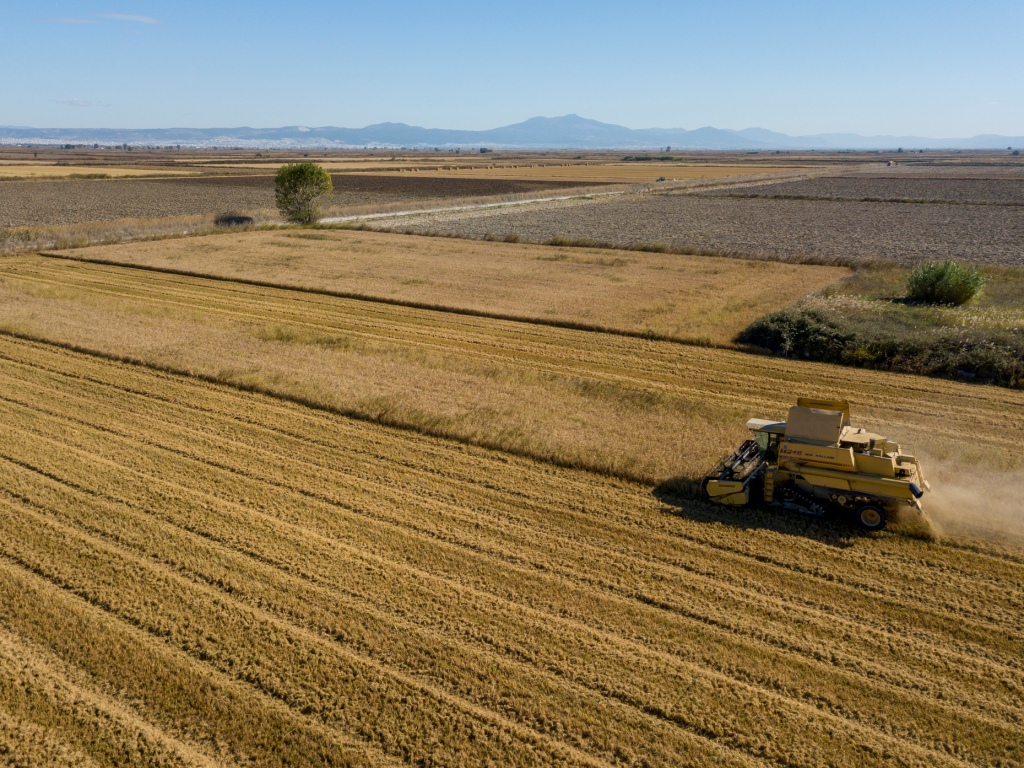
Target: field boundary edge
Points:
x,y
570,325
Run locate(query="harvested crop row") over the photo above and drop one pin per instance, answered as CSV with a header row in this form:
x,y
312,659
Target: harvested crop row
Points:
x,y
407,583
299,598
48,718
993,605
232,722
95,379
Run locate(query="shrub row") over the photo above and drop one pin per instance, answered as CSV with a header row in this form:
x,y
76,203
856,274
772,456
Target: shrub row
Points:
x,y
816,334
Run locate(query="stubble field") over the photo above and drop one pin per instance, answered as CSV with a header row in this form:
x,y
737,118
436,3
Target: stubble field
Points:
x,y
911,188
661,295
10,171
194,575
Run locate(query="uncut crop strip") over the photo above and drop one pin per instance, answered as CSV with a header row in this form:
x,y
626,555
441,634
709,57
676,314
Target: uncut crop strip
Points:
x,y
231,523
528,386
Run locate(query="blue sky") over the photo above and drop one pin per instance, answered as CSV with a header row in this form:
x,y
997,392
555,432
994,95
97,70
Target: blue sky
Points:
x,y
928,68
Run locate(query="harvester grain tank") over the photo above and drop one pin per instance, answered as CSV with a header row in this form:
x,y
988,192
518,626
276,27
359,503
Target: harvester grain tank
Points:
x,y
815,460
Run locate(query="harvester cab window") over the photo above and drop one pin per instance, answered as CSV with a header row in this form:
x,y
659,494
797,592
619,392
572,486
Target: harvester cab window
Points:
x,y
768,443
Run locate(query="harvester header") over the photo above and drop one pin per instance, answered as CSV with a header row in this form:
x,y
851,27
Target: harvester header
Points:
x,y
816,460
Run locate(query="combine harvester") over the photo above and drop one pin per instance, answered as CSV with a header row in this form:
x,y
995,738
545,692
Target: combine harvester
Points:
x,y
815,461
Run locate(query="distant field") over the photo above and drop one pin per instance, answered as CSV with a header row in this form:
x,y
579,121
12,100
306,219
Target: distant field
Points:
x,y
20,170
789,230
620,173
999,167
31,203
639,408
194,575
683,297
41,203
1001,191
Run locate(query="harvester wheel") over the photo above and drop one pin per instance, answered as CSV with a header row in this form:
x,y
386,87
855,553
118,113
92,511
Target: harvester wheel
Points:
x,y
871,517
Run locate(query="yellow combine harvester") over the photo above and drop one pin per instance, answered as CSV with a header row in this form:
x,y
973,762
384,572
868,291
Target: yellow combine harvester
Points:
x,y
815,460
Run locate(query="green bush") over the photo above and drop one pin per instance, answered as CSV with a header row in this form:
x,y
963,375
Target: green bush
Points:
x,y
298,189
830,337
796,332
944,282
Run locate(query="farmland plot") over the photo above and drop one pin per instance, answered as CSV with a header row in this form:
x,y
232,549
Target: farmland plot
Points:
x,y
195,575
820,231
662,295
75,201
607,173
639,408
979,191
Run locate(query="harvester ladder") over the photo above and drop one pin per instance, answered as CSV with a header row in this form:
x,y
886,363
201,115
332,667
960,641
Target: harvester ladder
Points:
x,y
769,486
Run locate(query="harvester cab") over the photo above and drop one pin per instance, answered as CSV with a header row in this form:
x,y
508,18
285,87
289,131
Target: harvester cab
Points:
x,y
816,461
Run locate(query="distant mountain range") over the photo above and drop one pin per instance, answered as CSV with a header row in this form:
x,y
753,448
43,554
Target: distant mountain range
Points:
x,y
568,132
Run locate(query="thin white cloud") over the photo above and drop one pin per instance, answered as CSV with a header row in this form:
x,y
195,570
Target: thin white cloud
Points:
x,y
76,103
69,20
130,17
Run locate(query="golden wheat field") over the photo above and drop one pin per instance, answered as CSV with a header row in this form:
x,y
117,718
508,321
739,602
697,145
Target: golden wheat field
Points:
x,y
662,295
646,409
196,575
34,171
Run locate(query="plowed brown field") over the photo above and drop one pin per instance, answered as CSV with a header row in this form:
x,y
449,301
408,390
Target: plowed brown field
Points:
x,y
822,231
607,173
195,575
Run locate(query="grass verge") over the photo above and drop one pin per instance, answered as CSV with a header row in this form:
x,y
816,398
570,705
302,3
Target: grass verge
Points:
x,y
865,321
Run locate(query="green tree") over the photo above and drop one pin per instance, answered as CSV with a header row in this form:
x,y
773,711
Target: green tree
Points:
x,y
298,189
